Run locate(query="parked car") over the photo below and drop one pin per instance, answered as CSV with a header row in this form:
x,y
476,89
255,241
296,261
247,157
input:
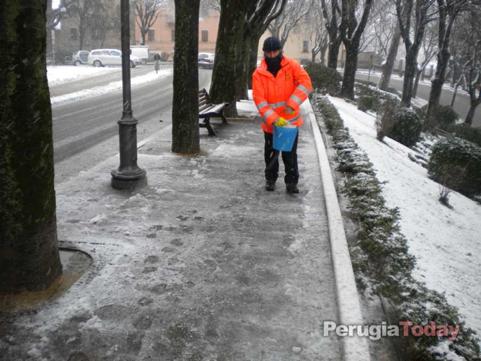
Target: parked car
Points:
x,y
103,57
140,51
80,57
206,60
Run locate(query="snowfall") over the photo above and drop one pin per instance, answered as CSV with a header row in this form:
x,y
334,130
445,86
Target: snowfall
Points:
x,y
446,242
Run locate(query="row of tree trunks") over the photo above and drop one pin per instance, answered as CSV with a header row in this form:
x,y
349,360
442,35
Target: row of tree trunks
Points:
x,y
447,15
29,257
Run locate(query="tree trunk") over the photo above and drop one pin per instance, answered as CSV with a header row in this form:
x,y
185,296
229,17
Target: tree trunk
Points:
x,y
455,92
242,69
252,59
229,39
391,58
416,82
142,35
29,257
49,52
453,72
185,109
333,53
438,81
323,55
472,109
347,90
409,73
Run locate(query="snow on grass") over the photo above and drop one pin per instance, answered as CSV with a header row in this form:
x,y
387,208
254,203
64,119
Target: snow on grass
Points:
x,y
61,74
247,108
426,81
111,87
445,242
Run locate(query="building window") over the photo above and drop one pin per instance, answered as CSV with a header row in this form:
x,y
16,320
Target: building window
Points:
x,y
205,36
73,34
305,46
172,35
151,35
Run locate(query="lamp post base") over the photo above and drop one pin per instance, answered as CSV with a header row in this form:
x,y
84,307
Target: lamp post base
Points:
x,y
128,179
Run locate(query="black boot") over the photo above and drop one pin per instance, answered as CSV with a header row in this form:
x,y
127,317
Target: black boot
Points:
x,y
292,188
270,185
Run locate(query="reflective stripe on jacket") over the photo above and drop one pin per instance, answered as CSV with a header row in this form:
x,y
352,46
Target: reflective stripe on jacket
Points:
x,y
290,87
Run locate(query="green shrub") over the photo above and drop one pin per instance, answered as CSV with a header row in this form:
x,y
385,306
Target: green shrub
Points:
x,y
324,79
371,98
443,116
368,102
467,133
456,163
406,127
332,119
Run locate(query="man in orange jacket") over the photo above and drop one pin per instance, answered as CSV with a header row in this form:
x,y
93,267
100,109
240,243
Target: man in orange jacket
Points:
x,y
279,86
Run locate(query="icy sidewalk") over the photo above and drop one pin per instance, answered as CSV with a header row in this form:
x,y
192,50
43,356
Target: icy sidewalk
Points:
x,y
201,264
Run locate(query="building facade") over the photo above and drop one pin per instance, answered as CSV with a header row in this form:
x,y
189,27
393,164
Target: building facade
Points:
x,y
161,36
96,29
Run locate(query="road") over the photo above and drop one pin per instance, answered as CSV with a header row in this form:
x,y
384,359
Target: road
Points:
x,y
461,106
85,131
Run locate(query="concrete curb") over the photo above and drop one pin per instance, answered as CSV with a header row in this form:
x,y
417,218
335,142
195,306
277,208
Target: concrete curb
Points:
x,y
355,348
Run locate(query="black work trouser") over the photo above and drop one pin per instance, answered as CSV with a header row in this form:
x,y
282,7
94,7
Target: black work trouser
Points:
x,y
271,157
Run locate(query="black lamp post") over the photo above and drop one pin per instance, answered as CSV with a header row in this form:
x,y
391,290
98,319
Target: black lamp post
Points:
x,y
128,175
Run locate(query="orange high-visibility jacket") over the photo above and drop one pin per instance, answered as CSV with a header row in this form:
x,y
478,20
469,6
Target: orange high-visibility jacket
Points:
x,y
290,87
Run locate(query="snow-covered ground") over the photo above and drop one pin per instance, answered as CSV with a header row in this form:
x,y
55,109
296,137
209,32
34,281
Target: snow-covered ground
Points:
x,y
426,81
446,242
61,74
111,87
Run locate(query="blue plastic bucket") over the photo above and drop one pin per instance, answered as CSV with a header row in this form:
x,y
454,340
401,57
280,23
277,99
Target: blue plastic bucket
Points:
x,y
284,138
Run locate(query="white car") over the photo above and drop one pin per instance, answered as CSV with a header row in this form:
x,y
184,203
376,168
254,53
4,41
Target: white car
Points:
x,y
103,57
206,60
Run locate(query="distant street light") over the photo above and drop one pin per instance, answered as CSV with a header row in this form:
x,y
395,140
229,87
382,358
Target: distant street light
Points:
x,y
128,175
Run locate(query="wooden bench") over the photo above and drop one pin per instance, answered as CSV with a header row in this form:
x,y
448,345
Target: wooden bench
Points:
x,y
208,110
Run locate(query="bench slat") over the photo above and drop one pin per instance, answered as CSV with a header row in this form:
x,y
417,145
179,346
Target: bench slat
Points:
x,y
208,109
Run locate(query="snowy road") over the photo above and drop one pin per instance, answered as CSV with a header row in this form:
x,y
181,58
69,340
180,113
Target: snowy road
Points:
x,y
461,106
85,130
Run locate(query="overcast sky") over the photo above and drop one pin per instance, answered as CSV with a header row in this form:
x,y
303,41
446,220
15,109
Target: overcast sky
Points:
x,y
55,4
